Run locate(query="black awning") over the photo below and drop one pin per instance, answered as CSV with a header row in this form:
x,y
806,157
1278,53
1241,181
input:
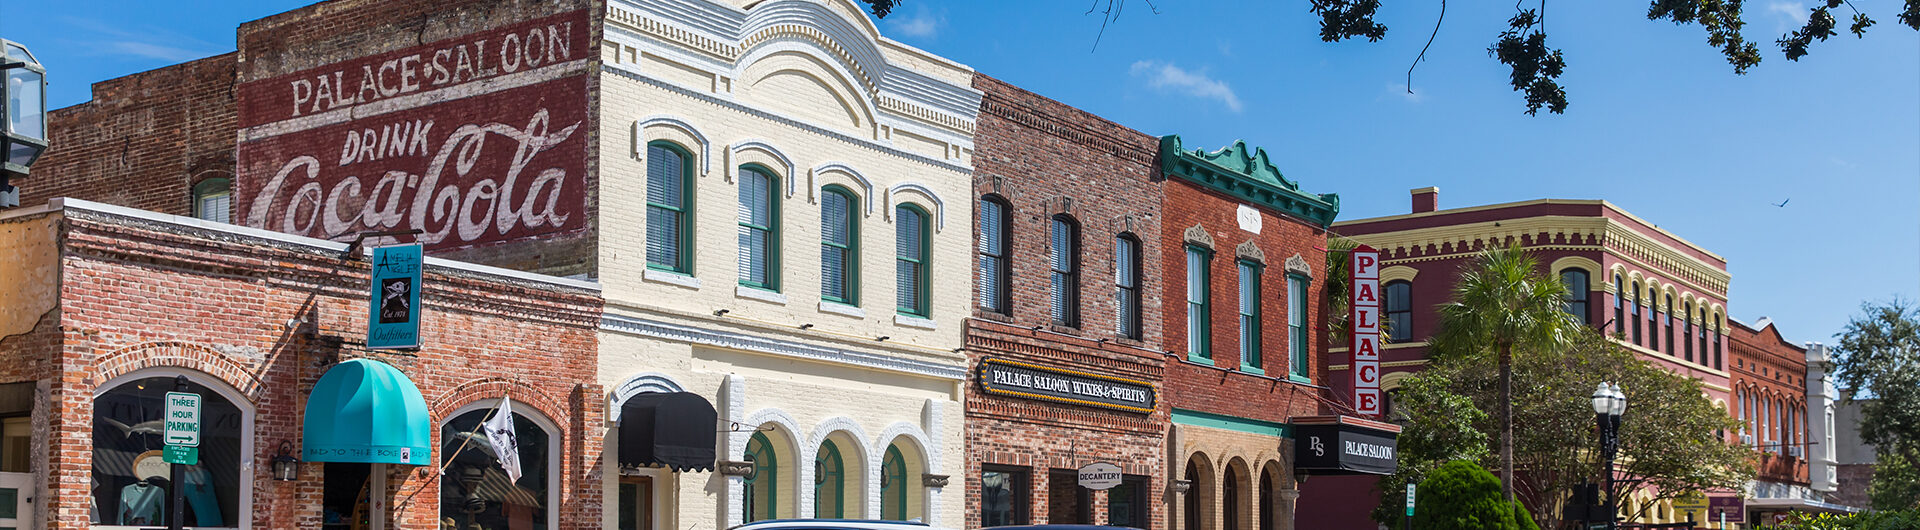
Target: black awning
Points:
x,y
672,429
1343,445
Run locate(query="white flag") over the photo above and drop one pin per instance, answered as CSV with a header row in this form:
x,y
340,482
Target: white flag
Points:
x,y
506,446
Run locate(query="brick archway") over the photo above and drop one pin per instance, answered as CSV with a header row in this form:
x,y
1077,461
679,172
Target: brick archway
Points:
x,y
176,354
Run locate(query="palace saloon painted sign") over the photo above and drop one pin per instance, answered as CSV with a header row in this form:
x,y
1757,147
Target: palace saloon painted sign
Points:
x,y
1364,291
472,140
1009,378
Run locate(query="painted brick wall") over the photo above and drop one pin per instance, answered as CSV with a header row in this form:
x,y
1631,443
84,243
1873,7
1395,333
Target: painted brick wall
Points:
x,y
267,318
143,141
1222,388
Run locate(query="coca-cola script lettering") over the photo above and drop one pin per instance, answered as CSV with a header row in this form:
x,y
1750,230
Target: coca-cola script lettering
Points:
x,y
461,181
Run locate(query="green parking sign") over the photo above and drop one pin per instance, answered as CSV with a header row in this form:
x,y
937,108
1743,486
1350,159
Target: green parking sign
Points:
x,y
183,419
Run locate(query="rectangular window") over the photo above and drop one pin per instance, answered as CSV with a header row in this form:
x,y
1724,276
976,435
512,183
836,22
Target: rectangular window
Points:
x,y
1066,272
759,244
839,259
993,256
910,260
1576,282
1619,305
1399,310
1653,327
1127,504
1686,333
666,209
1003,495
1067,502
1126,281
1716,346
1249,316
1634,309
1199,329
1667,318
1297,324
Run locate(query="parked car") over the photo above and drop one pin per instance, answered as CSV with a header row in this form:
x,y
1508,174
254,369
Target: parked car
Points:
x,y
834,524
1061,527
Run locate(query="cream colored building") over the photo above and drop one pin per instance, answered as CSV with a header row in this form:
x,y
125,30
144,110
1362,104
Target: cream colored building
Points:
x,y
785,232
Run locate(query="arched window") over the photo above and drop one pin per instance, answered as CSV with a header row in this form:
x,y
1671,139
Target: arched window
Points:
x,y
1633,309
1652,301
1126,281
129,482
1065,261
839,247
762,488
1199,283
1230,489
759,230
476,492
213,200
1716,342
1701,333
996,225
1686,332
1740,408
829,483
1250,315
893,485
669,200
1619,305
1399,310
1666,318
1576,282
1196,501
1269,493
910,260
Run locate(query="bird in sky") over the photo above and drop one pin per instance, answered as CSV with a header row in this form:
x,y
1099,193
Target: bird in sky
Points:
x,y
1782,204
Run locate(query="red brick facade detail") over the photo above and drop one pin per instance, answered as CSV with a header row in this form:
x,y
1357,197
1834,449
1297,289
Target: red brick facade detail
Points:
x,y
1770,395
1045,159
267,319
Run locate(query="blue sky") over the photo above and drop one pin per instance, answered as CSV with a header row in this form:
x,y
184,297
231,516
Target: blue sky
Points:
x,y
1658,123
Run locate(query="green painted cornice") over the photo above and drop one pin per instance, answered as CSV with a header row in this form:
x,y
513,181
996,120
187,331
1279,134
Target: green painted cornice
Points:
x,y
1246,174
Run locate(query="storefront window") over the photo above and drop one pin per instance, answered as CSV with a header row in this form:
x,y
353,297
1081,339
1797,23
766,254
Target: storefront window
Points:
x,y
1067,502
1127,503
893,485
131,482
1003,495
762,486
475,491
829,483
16,433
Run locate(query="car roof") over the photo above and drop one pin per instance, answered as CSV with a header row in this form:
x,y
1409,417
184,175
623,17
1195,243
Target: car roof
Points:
x,y
1061,527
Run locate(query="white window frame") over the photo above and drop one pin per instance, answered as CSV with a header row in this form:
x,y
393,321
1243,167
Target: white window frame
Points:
x,y
553,457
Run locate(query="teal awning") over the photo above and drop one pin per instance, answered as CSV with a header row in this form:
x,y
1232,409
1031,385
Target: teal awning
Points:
x,y
364,410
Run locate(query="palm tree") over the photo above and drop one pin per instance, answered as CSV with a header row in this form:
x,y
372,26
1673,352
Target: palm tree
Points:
x,y
1502,303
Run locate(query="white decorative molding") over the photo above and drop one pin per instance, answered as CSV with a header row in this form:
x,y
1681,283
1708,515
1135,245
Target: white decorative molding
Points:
x,y
813,184
868,468
842,309
761,344
755,293
1299,265
642,383
939,206
760,145
914,322
640,138
1198,235
1248,251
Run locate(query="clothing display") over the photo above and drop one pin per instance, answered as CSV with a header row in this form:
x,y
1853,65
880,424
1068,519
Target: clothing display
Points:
x,y
142,503
200,497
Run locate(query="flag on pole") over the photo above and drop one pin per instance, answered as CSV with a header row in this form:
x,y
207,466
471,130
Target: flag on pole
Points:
x,y
506,446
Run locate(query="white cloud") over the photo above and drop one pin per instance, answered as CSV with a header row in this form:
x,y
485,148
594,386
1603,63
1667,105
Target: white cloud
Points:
x,y
1166,76
156,51
1791,10
148,42
922,24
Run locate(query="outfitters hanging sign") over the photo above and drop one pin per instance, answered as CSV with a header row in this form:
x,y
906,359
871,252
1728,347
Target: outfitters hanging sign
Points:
x,y
393,320
1018,379
1363,290
473,140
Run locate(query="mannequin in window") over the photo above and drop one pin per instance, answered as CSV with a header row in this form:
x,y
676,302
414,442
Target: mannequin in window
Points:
x,y
142,503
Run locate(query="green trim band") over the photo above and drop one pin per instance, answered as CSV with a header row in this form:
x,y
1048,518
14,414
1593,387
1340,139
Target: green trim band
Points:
x,y
1248,175
1231,423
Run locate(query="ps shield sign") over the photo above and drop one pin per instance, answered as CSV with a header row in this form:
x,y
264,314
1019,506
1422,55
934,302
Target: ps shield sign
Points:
x,y
393,322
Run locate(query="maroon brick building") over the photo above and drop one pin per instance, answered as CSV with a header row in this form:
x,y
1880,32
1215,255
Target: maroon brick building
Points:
x,y
114,304
1068,208
1244,249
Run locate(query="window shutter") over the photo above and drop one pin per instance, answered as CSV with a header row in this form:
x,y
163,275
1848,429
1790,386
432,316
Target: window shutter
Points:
x,y
664,197
834,213
907,268
992,254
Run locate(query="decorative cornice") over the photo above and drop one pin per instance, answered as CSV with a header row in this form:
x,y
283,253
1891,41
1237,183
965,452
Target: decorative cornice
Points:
x,y
1561,233
1198,235
1248,175
741,341
1299,265
1248,251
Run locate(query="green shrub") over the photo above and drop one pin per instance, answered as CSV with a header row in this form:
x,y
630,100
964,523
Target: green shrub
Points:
x,y
1521,519
1879,520
1463,496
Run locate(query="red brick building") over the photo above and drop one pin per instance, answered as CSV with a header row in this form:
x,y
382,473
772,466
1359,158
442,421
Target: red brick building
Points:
x,y
116,303
1068,208
1785,411
1244,249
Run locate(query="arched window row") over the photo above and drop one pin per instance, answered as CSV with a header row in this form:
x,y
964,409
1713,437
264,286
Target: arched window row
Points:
x,y
671,232
1232,495
837,484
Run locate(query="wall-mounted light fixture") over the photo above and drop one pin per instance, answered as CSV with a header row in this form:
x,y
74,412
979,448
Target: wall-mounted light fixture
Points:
x,y
285,466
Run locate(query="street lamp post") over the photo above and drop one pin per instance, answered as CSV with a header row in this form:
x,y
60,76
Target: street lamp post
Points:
x,y
23,131
1608,404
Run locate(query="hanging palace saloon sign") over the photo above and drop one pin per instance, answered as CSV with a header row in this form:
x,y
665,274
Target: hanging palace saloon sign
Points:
x,y
1010,378
1363,288
473,140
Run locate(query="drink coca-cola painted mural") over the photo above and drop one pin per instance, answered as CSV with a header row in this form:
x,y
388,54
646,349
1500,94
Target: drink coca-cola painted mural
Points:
x,y
473,140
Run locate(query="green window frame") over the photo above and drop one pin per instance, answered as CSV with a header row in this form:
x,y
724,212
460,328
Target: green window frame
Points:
x,y
669,208
911,249
839,246
1249,315
1297,325
213,200
759,220
893,485
829,483
762,488
1199,289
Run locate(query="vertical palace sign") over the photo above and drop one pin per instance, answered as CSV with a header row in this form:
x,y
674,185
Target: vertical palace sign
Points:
x,y
1363,288
473,140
